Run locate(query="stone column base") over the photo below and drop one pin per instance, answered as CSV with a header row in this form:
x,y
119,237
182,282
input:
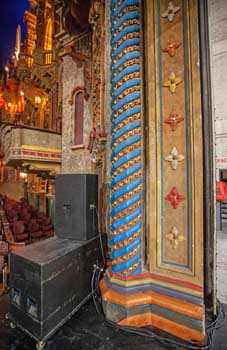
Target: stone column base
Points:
x,y
147,299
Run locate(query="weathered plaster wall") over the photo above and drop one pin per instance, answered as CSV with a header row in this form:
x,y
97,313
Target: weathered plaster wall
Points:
x,y
73,160
218,41
222,267
12,190
218,50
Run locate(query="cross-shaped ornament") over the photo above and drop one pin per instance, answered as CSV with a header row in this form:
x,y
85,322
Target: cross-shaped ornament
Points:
x,y
174,197
170,12
172,47
174,158
172,82
174,237
173,120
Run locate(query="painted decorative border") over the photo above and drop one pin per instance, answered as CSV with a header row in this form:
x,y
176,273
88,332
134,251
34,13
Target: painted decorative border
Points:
x,y
193,270
188,145
18,153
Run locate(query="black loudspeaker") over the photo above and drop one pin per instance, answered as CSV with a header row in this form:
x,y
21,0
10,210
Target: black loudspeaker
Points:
x,y
76,206
49,282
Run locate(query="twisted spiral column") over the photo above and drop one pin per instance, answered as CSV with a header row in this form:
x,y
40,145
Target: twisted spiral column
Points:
x,y
126,171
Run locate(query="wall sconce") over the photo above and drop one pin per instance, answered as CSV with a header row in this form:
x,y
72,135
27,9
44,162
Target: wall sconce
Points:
x,y
37,100
23,176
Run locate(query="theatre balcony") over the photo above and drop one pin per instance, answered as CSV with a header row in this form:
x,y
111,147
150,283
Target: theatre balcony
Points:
x,y
34,149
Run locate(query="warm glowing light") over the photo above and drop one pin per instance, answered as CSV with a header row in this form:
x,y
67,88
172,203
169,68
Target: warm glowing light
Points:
x,y
48,43
23,176
6,69
22,93
17,54
37,100
9,104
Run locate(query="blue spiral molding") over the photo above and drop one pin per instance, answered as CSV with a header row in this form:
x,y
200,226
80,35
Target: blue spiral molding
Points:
x,y
126,171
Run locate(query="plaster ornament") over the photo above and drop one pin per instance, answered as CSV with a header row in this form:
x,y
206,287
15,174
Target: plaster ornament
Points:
x,y
174,237
171,47
173,120
170,12
174,158
96,145
172,82
174,197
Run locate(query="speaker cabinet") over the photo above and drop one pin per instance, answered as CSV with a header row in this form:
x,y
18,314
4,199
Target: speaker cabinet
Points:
x,y
76,206
49,282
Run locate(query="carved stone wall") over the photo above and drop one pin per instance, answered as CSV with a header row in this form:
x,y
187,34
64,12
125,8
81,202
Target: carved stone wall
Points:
x,y
107,99
74,160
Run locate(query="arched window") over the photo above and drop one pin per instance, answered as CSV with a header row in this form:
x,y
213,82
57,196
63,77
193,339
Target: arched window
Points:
x,y
79,119
48,42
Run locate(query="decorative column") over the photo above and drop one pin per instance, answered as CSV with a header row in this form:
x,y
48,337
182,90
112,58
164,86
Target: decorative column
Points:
x,y
126,172
170,295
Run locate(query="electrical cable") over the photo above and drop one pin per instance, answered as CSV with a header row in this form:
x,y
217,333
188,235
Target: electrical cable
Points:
x,y
100,238
210,328
93,292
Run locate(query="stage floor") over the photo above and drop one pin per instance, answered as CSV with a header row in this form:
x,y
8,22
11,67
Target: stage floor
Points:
x,y
86,330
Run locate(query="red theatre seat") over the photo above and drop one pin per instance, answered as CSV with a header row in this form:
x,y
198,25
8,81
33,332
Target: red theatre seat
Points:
x,y
18,231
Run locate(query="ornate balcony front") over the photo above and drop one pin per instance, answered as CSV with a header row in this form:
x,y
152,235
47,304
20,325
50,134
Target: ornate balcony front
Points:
x,y
43,57
35,149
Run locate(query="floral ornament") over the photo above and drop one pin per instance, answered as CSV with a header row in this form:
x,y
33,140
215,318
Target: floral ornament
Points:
x,y
170,12
174,197
172,82
173,120
174,237
174,157
171,47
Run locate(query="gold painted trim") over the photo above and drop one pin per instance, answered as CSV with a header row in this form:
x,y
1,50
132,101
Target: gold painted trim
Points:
x,y
40,148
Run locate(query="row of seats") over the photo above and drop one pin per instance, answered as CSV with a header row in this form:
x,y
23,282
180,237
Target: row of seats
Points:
x,y
25,221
